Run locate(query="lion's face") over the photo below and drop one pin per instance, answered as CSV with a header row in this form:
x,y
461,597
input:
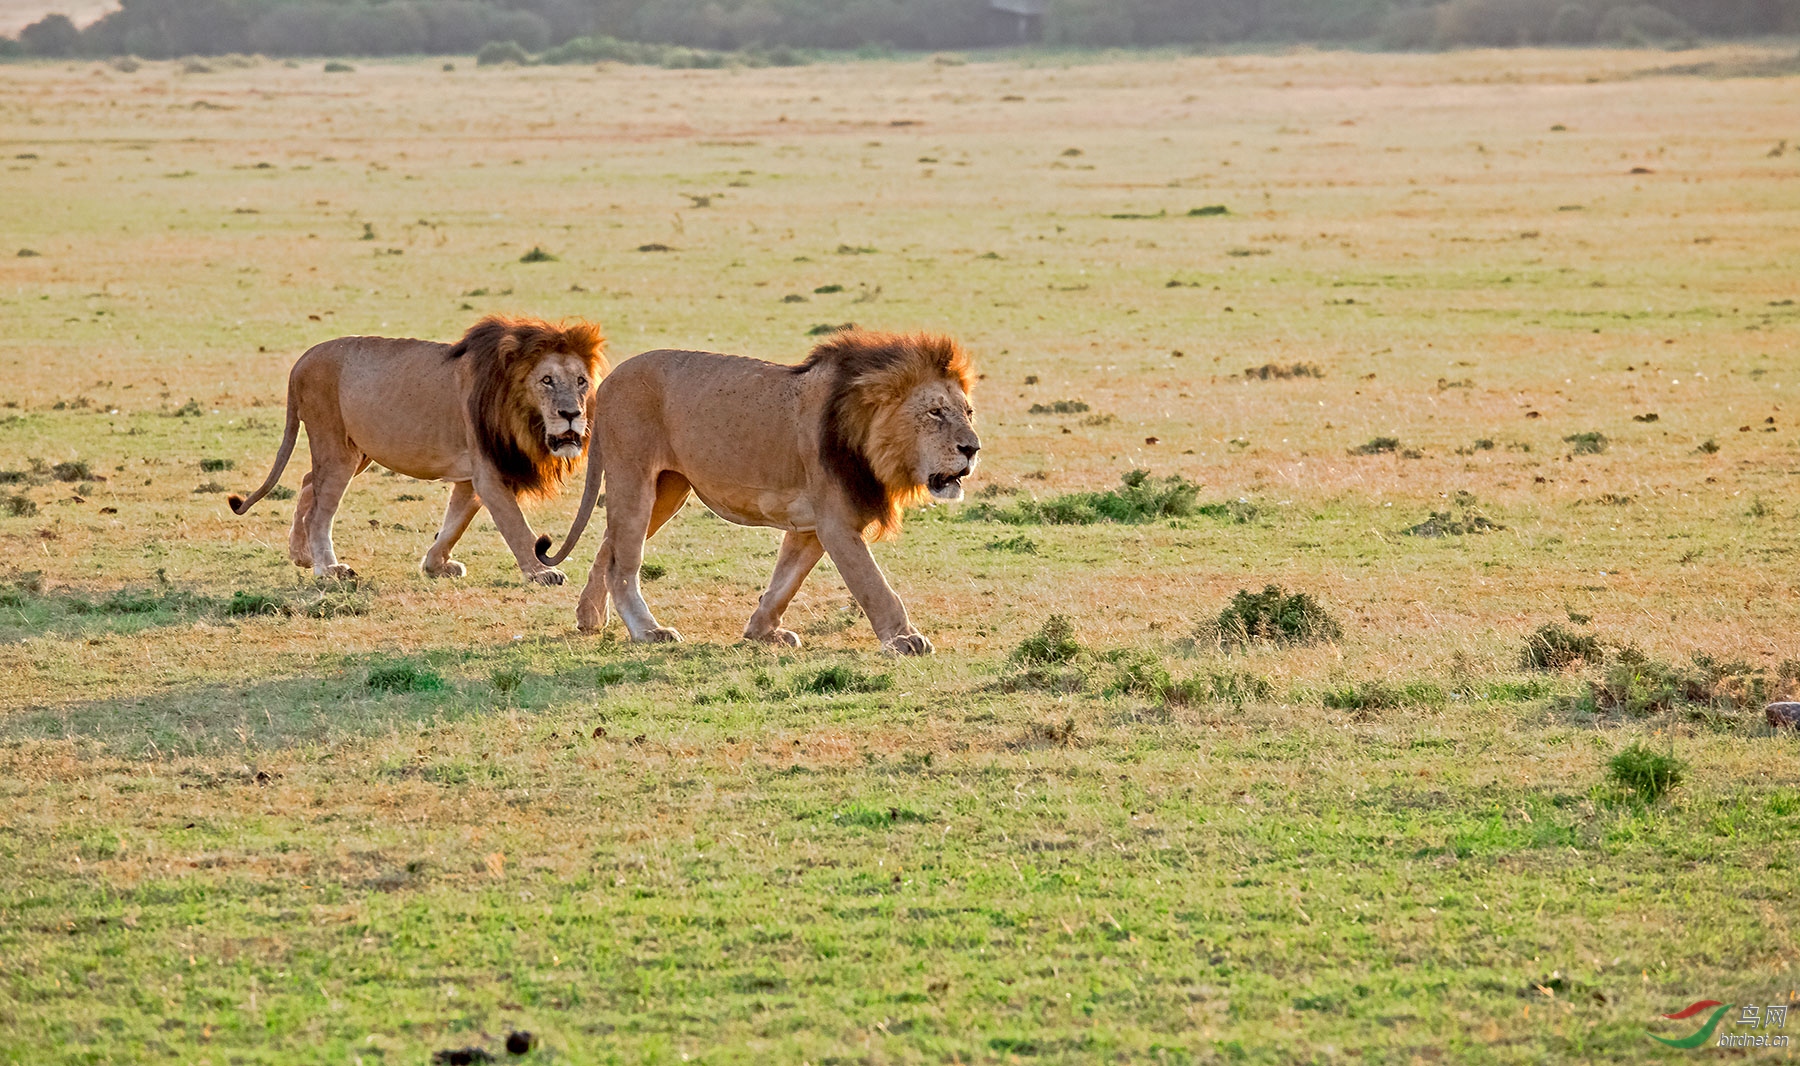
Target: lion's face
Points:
x,y
560,383
947,442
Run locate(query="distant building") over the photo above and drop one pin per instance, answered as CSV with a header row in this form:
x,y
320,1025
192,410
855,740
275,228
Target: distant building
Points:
x,y
1017,21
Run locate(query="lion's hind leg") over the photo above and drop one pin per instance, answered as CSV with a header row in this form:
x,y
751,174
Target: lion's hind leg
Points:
x,y
460,511
331,475
592,609
299,546
634,512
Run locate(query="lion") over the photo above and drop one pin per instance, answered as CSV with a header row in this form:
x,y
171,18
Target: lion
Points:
x,y
830,451
503,414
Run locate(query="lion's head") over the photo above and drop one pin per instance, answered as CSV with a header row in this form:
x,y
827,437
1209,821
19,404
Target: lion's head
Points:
x,y
897,423
532,386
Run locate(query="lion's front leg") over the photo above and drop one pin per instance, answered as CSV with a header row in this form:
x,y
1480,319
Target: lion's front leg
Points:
x,y
503,506
800,552
850,553
458,514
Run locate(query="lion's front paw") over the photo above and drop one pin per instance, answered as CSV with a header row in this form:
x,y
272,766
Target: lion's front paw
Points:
x,y
659,635
548,576
447,568
908,644
776,636
337,572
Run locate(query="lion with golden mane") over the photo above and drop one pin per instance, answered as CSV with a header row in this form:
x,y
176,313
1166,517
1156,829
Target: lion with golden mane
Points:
x,y
503,414
829,451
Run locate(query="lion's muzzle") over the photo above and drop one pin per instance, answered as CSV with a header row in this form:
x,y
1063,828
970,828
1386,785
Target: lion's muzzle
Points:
x,y
565,445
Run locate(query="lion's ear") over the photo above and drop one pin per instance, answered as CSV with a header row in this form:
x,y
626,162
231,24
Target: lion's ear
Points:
x,y
508,346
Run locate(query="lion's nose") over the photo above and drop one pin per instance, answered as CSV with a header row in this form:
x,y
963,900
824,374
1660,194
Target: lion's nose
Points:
x,y
968,450
570,415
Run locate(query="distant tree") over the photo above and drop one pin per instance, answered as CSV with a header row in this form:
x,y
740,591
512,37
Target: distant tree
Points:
x,y
52,35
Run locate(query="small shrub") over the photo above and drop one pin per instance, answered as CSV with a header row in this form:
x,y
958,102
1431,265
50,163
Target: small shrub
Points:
x,y
867,817
1708,446
1451,524
1020,544
1048,734
19,505
653,571
190,409
1635,684
495,53
1054,642
333,603
537,255
1377,446
1587,443
1139,498
337,67
840,678
209,486
1058,407
213,466
404,675
825,329
507,680
1143,675
281,492
254,603
1554,647
1276,616
1236,687
1650,774
75,470
1208,211
1280,371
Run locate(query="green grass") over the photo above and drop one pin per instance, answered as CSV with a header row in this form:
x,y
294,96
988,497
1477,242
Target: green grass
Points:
x,y
1380,823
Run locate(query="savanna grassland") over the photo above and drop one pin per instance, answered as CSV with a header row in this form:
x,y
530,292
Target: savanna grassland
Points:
x,y
1521,331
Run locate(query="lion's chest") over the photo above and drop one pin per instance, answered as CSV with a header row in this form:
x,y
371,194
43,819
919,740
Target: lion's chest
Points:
x,y
749,507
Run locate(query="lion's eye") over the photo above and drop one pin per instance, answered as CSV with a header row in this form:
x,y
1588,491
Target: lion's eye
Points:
x,y
548,380
938,413
581,383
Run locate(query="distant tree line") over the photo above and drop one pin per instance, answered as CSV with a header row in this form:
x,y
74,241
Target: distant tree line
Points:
x,y
168,28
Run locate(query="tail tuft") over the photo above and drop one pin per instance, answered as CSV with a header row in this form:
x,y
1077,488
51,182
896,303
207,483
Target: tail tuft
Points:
x,y
543,549
236,502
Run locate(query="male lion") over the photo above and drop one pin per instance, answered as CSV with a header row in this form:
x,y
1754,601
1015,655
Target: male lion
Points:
x,y
503,414
829,451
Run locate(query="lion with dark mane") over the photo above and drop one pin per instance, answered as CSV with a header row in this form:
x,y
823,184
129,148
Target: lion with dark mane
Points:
x,y
830,451
503,414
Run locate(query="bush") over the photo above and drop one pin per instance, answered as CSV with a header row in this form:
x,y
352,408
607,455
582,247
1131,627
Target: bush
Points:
x,y
495,53
1279,371
1377,446
255,603
1275,616
1139,498
1553,647
1650,774
1059,407
1635,684
52,36
404,675
75,470
1572,24
1587,443
19,505
1641,24
841,678
1054,642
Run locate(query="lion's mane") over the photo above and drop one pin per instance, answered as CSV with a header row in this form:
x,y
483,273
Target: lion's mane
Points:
x,y
866,440
509,428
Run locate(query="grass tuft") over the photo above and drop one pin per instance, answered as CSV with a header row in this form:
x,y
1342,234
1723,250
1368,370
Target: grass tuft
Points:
x,y
1054,642
1058,407
404,675
1377,446
1650,774
840,678
537,255
74,470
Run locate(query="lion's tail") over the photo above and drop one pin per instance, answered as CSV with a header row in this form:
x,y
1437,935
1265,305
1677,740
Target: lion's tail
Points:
x,y
590,494
238,503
